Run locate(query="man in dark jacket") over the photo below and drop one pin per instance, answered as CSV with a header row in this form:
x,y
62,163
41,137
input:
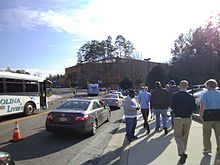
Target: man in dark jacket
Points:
x,y
183,105
159,102
173,88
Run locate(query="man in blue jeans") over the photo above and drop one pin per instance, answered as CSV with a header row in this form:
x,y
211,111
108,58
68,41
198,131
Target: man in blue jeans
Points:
x,y
159,102
130,111
144,101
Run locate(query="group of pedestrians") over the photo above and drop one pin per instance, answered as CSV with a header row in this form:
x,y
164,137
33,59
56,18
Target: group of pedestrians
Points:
x,y
158,101
182,105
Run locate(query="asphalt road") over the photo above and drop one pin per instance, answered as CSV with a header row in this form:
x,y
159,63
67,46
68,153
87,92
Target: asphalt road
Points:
x,y
41,147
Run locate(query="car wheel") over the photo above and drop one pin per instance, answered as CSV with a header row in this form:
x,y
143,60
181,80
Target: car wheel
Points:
x,y
28,109
108,117
94,127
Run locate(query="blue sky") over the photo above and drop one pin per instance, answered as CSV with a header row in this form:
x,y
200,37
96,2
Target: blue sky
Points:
x,y
43,36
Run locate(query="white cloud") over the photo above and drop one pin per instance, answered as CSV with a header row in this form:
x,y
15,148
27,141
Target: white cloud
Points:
x,y
151,25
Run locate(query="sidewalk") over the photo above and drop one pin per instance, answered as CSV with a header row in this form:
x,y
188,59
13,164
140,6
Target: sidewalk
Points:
x,y
160,149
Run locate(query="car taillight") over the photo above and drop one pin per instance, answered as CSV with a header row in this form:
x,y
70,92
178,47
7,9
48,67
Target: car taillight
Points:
x,y
50,116
82,118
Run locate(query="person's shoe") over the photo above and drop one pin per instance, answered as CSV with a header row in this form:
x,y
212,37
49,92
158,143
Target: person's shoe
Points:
x,y
134,137
182,159
205,151
129,140
148,131
157,129
165,131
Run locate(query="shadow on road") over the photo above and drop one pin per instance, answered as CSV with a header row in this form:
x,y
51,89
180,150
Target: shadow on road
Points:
x,y
41,144
111,157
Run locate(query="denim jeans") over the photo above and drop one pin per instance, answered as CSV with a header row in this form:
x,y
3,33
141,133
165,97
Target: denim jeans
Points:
x,y
145,113
130,127
163,113
172,117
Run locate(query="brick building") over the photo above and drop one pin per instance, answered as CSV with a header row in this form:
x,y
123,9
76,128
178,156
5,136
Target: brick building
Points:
x,y
109,73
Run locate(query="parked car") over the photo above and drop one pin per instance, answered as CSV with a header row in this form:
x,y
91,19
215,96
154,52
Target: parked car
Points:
x,y
113,100
198,86
194,90
198,95
119,93
6,159
78,115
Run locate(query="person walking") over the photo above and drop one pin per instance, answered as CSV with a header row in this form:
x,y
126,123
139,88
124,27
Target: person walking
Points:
x,y
159,102
130,111
210,115
144,101
173,88
183,104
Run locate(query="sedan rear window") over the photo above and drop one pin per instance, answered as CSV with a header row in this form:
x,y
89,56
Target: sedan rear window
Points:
x,y
111,96
75,105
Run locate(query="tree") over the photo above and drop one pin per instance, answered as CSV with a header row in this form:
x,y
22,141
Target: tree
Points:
x,y
126,83
200,47
109,48
156,74
120,43
22,72
95,50
128,49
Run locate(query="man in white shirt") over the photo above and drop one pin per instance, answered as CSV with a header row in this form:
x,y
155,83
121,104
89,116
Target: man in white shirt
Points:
x,y
130,111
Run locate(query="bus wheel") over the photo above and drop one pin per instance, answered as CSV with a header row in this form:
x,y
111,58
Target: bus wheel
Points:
x,y
28,109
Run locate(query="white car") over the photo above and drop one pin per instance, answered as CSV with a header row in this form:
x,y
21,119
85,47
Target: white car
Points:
x,y
113,100
194,90
198,95
120,94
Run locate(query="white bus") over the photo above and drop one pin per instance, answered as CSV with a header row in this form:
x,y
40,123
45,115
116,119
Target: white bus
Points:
x,y
21,93
93,89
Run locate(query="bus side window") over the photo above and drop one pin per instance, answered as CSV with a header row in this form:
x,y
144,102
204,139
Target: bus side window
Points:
x,y
31,87
1,87
14,87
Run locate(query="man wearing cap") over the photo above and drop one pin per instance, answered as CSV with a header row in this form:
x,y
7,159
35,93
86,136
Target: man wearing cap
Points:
x,y
130,111
173,88
144,101
183,105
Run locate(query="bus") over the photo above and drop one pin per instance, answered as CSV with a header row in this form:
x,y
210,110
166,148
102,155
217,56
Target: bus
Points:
x,y
21,93
93,89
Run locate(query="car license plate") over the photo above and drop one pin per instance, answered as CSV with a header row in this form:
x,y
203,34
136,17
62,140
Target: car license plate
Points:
x,y
63,118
